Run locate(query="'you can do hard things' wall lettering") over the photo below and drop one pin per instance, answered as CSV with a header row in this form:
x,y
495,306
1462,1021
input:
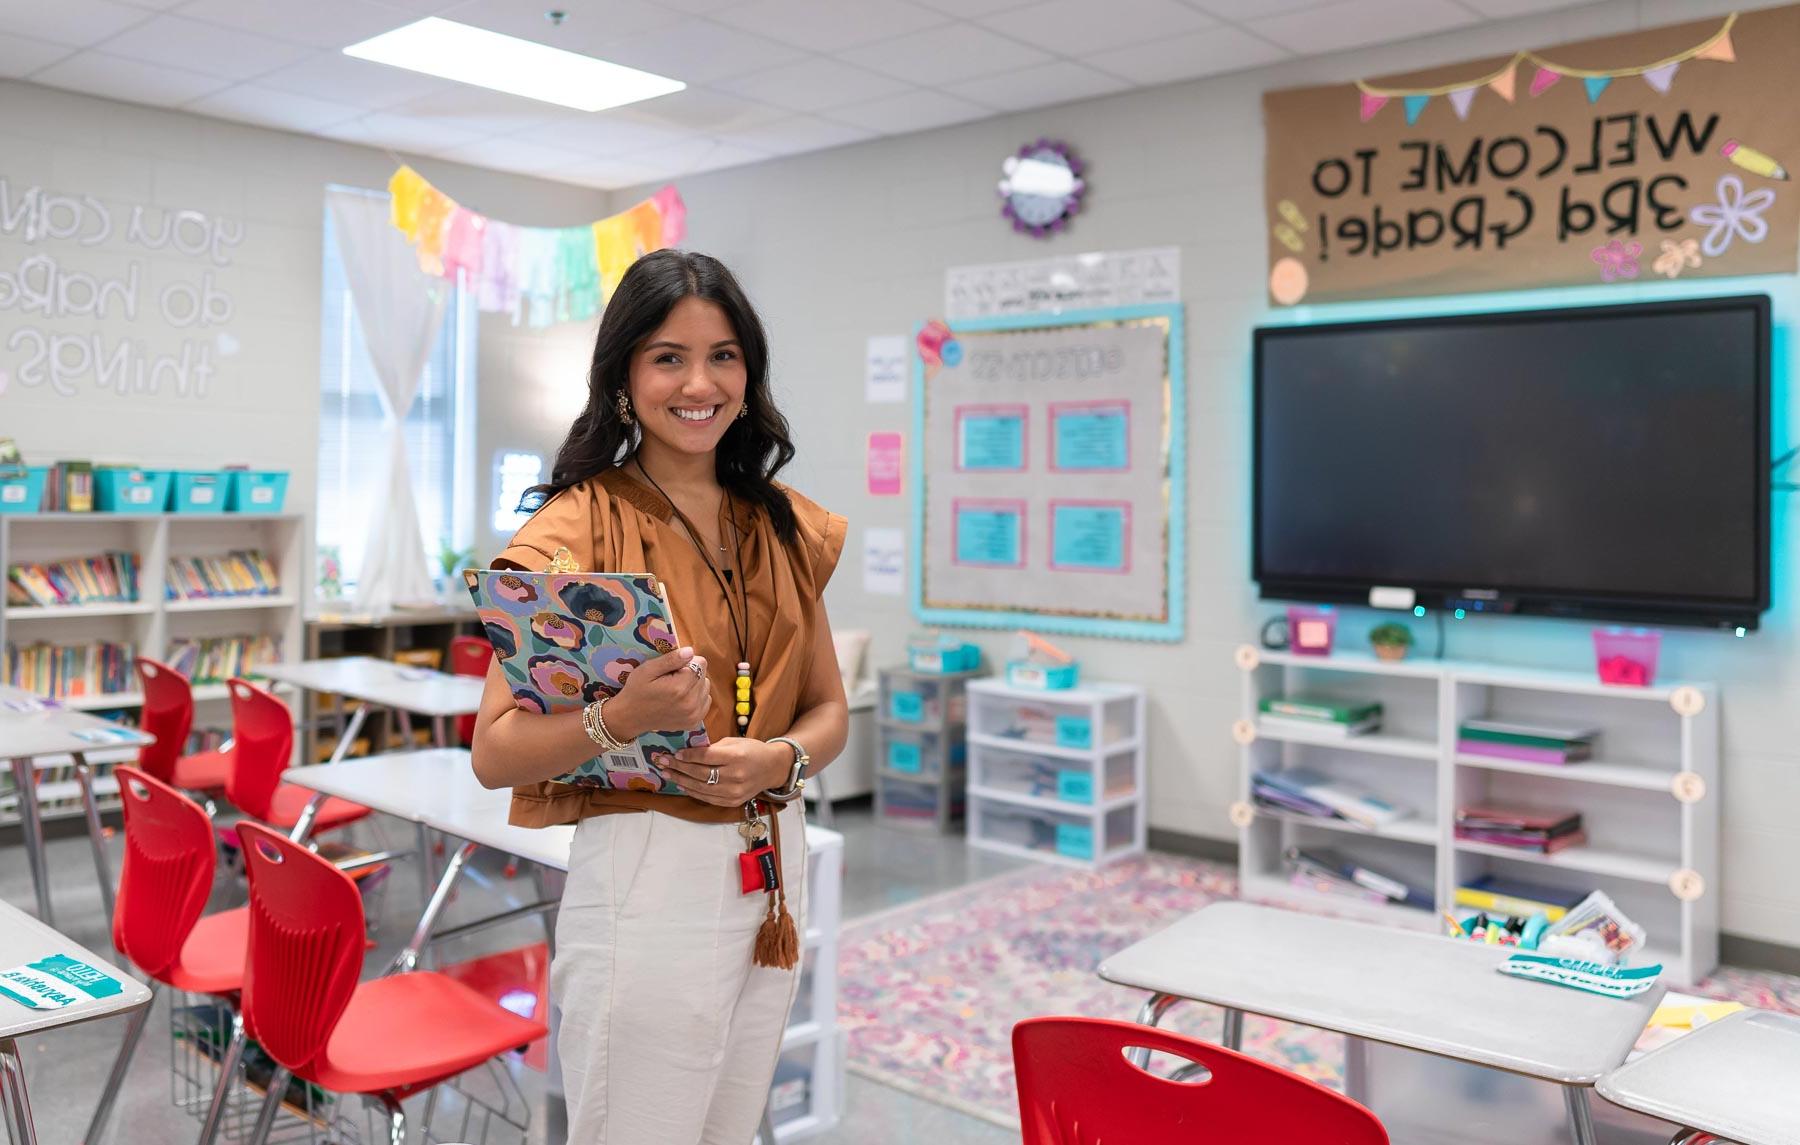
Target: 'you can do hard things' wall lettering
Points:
x,y
1659,154
125,300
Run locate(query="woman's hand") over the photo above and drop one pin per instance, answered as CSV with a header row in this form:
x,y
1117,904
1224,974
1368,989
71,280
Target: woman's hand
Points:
x,y
668,693
747,768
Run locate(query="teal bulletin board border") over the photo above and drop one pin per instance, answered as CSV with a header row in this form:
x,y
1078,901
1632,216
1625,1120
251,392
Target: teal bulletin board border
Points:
x,y
1175,570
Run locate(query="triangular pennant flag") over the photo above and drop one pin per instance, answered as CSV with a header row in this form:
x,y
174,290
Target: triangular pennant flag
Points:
x,y
1720,49
1372,103
1595,85
1544,81
1460,99
1503,83
1661,78
1415,106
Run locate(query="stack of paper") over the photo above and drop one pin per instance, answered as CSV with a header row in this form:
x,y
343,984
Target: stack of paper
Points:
x,y
1527,742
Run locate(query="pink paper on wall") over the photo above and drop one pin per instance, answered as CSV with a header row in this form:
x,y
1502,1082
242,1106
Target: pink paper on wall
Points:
x,y
884,464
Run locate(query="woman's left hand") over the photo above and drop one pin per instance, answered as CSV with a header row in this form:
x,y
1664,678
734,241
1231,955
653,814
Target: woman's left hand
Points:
x,y
747,768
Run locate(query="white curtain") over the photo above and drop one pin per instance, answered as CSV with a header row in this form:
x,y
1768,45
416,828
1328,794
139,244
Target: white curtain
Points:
x,y
401,310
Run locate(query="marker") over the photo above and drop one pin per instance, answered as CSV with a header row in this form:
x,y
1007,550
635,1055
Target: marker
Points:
x,y
1752,160
1455,926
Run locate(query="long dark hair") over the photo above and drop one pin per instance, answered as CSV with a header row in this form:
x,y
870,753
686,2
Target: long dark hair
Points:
x,y
752,451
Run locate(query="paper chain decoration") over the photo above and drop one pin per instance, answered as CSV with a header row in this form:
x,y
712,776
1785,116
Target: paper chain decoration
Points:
x,y
1658,74
551,274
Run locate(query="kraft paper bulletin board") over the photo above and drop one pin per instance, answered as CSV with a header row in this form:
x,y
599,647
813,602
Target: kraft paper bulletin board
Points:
x,y
1050,475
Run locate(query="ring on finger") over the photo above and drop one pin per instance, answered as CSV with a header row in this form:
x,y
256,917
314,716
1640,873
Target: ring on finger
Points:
x,y
697,668
712,777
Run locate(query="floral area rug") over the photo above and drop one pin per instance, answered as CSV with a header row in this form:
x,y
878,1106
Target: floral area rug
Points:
x,y
929,992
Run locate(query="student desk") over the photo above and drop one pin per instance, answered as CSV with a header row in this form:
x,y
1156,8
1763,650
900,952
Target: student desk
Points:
x,y
1394,987
1735,1078
405,689
32,731
24,939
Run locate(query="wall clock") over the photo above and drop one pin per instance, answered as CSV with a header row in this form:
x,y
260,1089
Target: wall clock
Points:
x,y
1041,187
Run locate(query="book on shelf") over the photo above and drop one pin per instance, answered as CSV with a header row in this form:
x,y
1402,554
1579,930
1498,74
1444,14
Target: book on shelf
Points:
x,y
214,660
1527,742
1319,729
244,573
1524,840
1541,830
1559,733
1342,798
64,671
1499,894
1321,863
1321,710
1525,753
105,579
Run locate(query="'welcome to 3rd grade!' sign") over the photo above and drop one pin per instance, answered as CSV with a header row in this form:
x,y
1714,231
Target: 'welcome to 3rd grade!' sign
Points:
x,y
1665,153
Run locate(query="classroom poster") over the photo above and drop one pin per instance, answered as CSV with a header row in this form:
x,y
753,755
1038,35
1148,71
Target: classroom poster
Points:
x,y
884,561
1661,154
1047,469
884,463
1088,281
884,369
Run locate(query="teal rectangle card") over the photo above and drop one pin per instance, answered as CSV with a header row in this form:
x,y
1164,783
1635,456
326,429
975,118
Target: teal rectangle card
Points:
x,y
992,441
906,757
907,707
1074,731
1075,786
1076,840
990,535
1093,438
1088,538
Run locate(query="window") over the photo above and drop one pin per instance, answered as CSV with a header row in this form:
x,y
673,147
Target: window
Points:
x,y
352,446
513,474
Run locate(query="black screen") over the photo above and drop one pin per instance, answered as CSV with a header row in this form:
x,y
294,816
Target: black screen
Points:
x,y
1572,459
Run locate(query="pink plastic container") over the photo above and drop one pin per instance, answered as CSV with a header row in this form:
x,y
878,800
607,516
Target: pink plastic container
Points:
x,y
1311,631
1627,656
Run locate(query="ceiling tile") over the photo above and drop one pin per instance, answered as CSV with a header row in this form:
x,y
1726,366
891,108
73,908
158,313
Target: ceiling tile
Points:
x,y
130,80
587,28
829,25
699,51
402,132
698,7
697,155
1211,52
913,111
248,103
334,76
702,110
157,5
480,110
604,135
970,9
511,155
78,22
1075,27
21,55
1355,23
814,84
1058,81
204,48
1251,9
945,54
1501,9
609,174
318,23
797,134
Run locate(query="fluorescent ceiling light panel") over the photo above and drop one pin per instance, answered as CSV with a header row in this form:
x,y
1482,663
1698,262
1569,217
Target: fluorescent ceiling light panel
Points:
x,y
487,59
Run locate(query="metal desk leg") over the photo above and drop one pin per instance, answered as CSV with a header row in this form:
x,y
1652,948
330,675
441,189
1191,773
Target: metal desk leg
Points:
x,y
345,741
1581,1118
228,1076
32,828
1356,1068
404,719
1150,1014
408,958
303,825
427,876
12,1095
440,732
84,775
1233,1036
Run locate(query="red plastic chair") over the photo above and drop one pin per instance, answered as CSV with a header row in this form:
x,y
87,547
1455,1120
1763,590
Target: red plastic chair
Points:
x,y
385,1039
262,731
168,714
469,656
158,925
1075,1086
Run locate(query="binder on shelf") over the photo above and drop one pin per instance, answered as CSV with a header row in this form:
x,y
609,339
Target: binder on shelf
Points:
x,y
1342,798
1498,894
1323,863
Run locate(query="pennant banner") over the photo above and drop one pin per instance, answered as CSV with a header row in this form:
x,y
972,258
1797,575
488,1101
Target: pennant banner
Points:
x,y
1555,189
543,275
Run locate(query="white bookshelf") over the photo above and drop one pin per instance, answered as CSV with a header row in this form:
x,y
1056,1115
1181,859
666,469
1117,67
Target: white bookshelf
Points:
x,y
151,623
807,1096
1650,801
1034,798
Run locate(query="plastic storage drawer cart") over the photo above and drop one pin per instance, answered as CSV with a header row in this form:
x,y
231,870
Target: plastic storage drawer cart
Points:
x,y
920,753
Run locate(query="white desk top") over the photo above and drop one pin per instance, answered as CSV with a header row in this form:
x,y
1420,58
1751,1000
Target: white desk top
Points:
x,y
1734,1077
438,788
57,731
384,683
24,939
1413,990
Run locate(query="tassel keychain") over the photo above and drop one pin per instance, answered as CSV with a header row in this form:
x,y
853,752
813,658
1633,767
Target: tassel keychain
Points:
x,y
778,939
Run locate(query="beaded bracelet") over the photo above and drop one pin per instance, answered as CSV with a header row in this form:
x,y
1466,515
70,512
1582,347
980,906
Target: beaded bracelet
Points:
x,y
594,722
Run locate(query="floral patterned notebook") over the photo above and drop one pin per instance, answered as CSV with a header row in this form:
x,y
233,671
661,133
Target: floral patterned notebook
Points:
x,y
566,639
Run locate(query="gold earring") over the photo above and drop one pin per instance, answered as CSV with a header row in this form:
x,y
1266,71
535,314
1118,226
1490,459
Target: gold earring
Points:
x,y
743,411
623,405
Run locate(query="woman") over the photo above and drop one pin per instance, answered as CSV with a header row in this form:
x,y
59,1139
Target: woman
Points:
x,y
674,983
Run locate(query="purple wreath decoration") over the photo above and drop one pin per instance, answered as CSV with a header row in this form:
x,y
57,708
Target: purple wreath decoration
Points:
x,y
1044,149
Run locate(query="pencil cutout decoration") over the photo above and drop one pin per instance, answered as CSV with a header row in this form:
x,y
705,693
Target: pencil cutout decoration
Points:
x,y
1752,160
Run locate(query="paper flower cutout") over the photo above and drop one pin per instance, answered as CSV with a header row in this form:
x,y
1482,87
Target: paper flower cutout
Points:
x,y
1677,257
1617,259
1735,215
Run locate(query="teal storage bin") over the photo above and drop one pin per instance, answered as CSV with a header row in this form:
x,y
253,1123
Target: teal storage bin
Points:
x,y
944,661
1048,678
200,491
24,494
131,490
256,491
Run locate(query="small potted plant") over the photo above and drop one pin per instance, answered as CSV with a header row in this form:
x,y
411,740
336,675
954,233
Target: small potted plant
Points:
x,y
1391,640
453,560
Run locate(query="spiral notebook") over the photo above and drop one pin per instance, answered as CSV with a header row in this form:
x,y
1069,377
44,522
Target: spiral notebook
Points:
x,y
564,640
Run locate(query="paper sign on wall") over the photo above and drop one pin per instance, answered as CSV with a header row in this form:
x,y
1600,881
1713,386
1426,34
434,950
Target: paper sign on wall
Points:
x,y
885,368
885,450
884,561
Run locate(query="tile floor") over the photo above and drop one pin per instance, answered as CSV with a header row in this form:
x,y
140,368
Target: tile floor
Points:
x,y
883,869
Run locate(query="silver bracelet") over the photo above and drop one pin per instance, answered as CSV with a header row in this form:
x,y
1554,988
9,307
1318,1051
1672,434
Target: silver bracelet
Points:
x,y
593,721
796,783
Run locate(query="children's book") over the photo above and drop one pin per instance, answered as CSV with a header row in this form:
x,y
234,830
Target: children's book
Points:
x,y
564,640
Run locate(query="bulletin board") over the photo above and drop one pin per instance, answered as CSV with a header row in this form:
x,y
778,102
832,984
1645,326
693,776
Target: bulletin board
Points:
x,y
1049,481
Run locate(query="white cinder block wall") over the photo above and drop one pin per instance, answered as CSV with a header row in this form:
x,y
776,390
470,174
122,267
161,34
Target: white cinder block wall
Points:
x,y
840,245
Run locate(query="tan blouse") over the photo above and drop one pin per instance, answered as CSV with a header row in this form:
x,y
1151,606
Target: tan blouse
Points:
x,y
613,523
